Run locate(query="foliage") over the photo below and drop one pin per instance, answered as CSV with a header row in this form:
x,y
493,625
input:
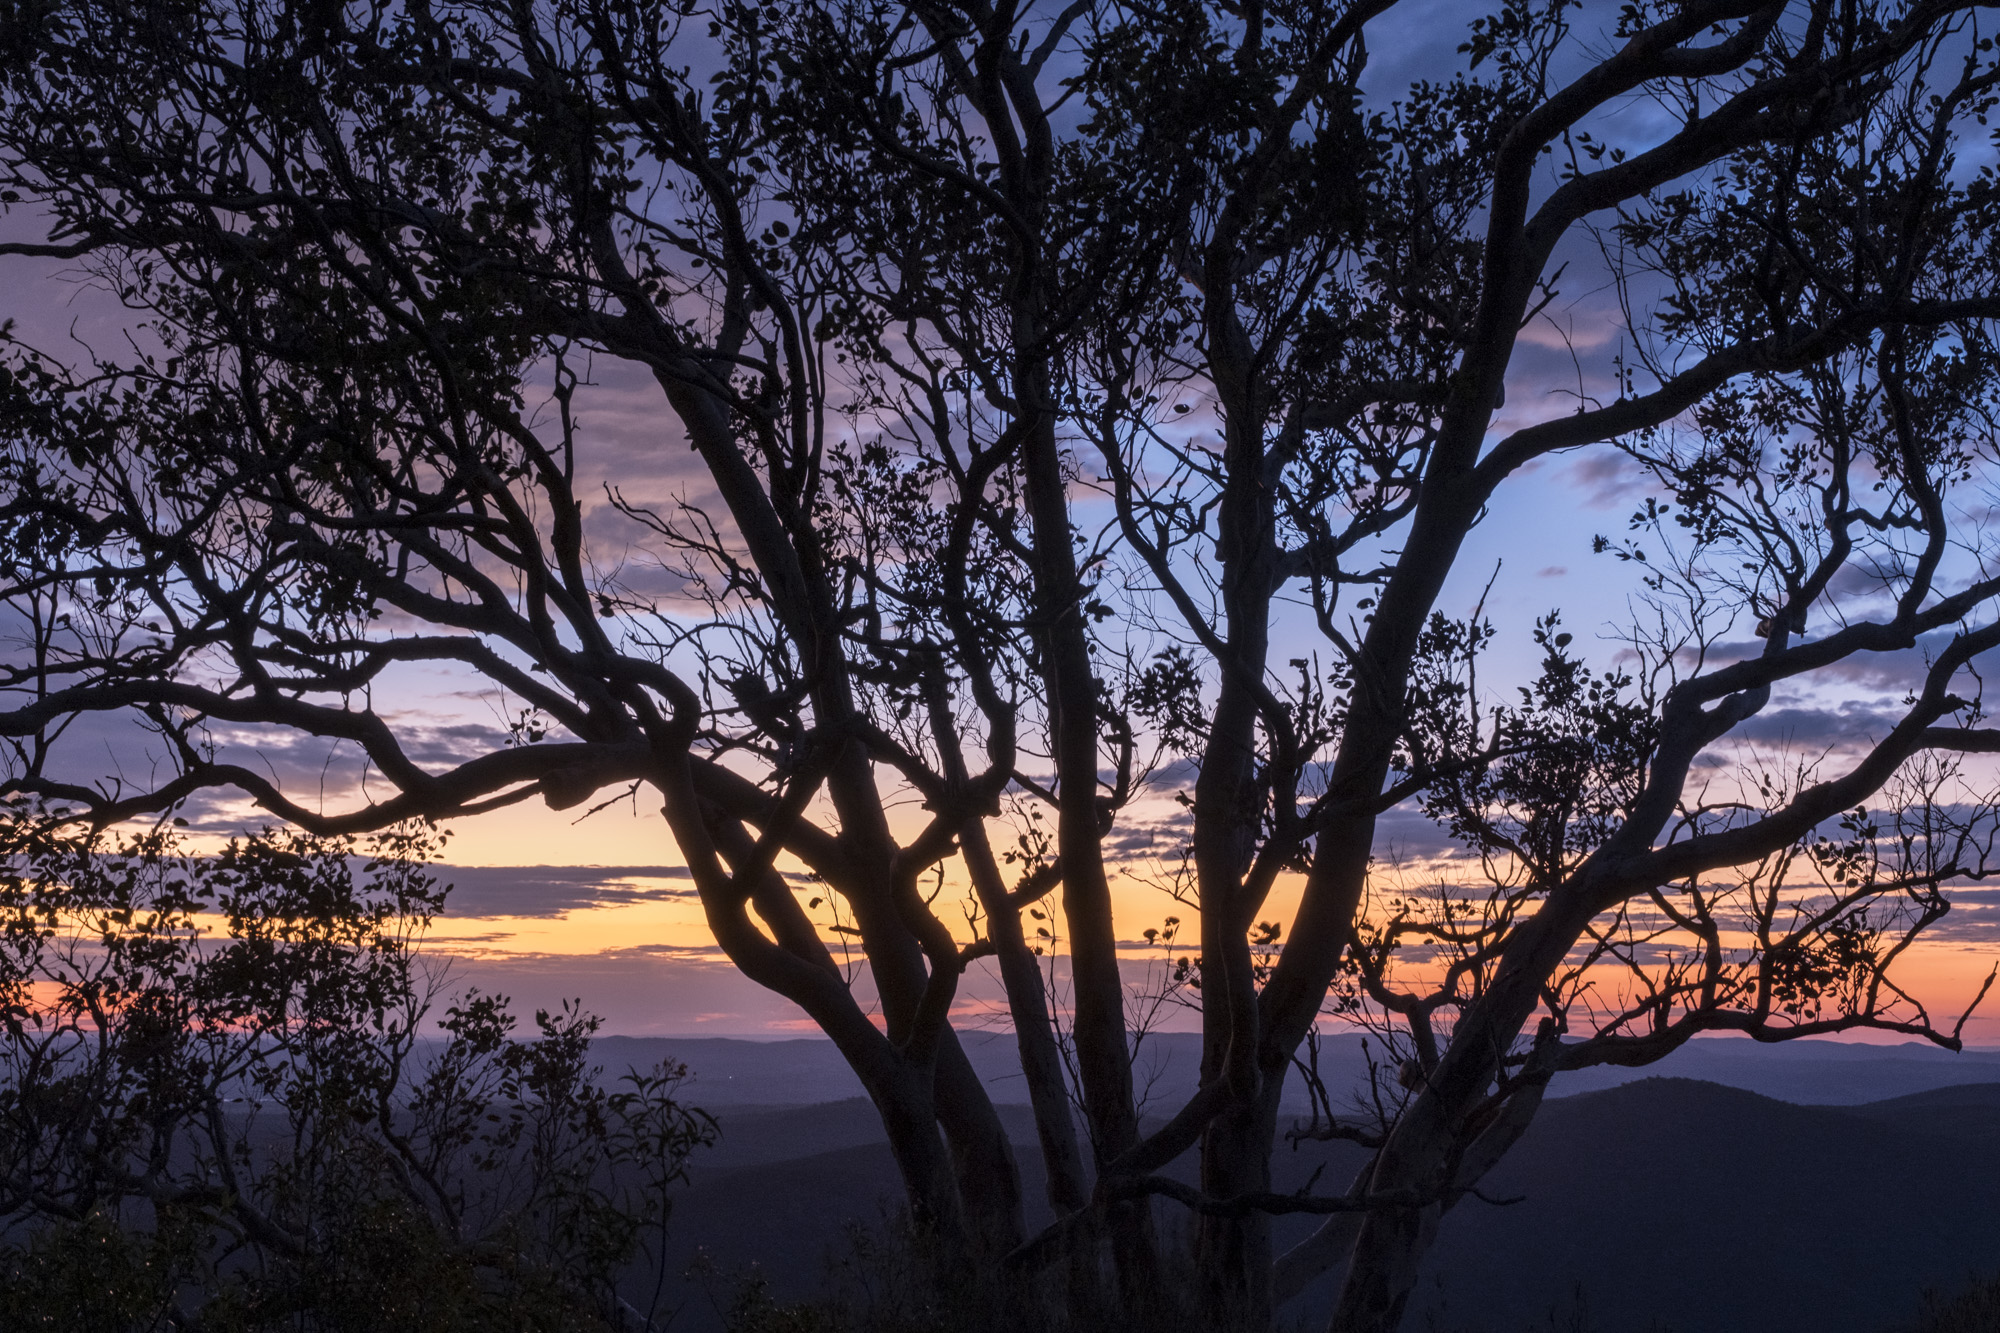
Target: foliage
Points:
x,y
1972,1310
1045,372
219,1111
889,1280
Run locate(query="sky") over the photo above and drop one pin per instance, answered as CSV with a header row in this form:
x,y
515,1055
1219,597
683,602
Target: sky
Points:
x,y
548,905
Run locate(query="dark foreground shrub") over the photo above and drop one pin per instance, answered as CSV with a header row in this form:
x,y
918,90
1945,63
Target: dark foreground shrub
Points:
x,y
1976,1309
894,1279
218,1110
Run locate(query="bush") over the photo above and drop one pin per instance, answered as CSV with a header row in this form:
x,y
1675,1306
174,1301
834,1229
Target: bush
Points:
x,y
1976,1309
218,1110
895,1279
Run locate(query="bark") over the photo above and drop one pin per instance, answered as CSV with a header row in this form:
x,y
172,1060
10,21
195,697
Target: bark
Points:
x,y
1103,1056
909,1118
1321,1252
1234,1255
1433,1145
1034,1034
902,1092
989,1179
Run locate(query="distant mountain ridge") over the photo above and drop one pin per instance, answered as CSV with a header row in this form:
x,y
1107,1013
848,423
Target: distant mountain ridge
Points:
x,y
1661,1204
733,1072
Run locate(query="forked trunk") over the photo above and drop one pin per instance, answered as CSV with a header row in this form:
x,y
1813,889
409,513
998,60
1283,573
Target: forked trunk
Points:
x,y
1436,1150
1382,1271
930,1182
989,1180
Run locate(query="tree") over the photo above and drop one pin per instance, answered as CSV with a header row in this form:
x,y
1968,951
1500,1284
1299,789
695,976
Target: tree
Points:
x,y
218,1109
922,285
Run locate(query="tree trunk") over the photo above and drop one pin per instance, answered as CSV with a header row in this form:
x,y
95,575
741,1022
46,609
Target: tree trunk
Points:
x,y
1433,1143
1034,1034
1103,1052
1389,1252
989,1179
1230,796
1234,1255
930,1181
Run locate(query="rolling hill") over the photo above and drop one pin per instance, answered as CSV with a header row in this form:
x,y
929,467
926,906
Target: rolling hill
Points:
x,y
1662,1203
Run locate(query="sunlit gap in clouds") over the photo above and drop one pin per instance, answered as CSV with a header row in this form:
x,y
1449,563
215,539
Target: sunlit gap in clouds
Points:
x,y
630,941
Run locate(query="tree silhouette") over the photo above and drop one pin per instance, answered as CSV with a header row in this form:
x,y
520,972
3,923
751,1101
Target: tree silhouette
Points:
x,y
219,1111
927,289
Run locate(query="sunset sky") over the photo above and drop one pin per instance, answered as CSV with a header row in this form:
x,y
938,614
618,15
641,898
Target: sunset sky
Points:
x,y
548,905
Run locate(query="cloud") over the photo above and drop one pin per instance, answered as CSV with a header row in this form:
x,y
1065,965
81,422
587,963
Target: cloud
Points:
x,y
1970,921
1407,833
1865,581
1147,837
1854,722
1893,670
547,891
1176,776
1606,479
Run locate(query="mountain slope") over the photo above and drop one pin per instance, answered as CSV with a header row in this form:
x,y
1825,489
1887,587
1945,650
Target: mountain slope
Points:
x,y
1710,1208
1673,1203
